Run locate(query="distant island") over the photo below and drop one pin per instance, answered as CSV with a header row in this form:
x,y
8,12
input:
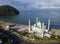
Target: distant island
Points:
x,y
6,10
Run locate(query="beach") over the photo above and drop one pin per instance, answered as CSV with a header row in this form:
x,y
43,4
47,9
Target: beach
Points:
x,y
3,23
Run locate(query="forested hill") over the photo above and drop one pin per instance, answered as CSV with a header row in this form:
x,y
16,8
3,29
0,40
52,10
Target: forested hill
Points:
x,y
8,10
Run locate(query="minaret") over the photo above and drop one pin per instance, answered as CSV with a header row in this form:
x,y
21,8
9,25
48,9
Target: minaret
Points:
x,y
43,26
48,24
36,21
42,31
29,25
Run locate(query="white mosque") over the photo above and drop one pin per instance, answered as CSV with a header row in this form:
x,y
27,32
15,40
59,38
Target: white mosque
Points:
x,y
40,29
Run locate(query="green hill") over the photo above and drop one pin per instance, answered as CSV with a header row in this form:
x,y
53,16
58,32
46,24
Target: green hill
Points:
x,y
6,10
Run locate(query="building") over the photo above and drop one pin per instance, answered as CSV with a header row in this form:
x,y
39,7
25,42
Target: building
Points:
x,y
39,29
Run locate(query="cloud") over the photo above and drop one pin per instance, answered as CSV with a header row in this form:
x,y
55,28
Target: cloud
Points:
x,y
28,4
47,4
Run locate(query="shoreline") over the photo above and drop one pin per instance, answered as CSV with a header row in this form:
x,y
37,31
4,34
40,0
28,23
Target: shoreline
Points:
x,y
4,23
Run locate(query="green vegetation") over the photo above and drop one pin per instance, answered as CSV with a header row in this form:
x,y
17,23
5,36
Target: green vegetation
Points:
x,y
5,39
45,39
37,39
7,10
24,33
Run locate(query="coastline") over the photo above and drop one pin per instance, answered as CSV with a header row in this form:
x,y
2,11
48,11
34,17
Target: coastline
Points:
x,y
25,26
4,23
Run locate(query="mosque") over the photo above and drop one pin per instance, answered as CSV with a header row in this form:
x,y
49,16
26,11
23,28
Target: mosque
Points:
x,y
40,29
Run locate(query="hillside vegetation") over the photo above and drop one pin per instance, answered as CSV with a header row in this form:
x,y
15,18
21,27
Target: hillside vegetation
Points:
x,y
8,10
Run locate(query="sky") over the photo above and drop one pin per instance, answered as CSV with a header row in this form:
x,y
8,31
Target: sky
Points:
x,y
32,4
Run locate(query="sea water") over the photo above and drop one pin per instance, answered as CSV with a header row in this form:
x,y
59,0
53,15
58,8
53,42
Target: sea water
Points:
x,y
43,16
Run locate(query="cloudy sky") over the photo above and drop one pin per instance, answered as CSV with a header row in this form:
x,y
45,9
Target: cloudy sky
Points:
x,y
32,4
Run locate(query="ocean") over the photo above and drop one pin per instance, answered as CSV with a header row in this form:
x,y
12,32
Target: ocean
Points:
x,y
42,15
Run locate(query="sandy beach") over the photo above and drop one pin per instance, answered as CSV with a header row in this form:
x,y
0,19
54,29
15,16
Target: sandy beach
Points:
x,y
3,23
